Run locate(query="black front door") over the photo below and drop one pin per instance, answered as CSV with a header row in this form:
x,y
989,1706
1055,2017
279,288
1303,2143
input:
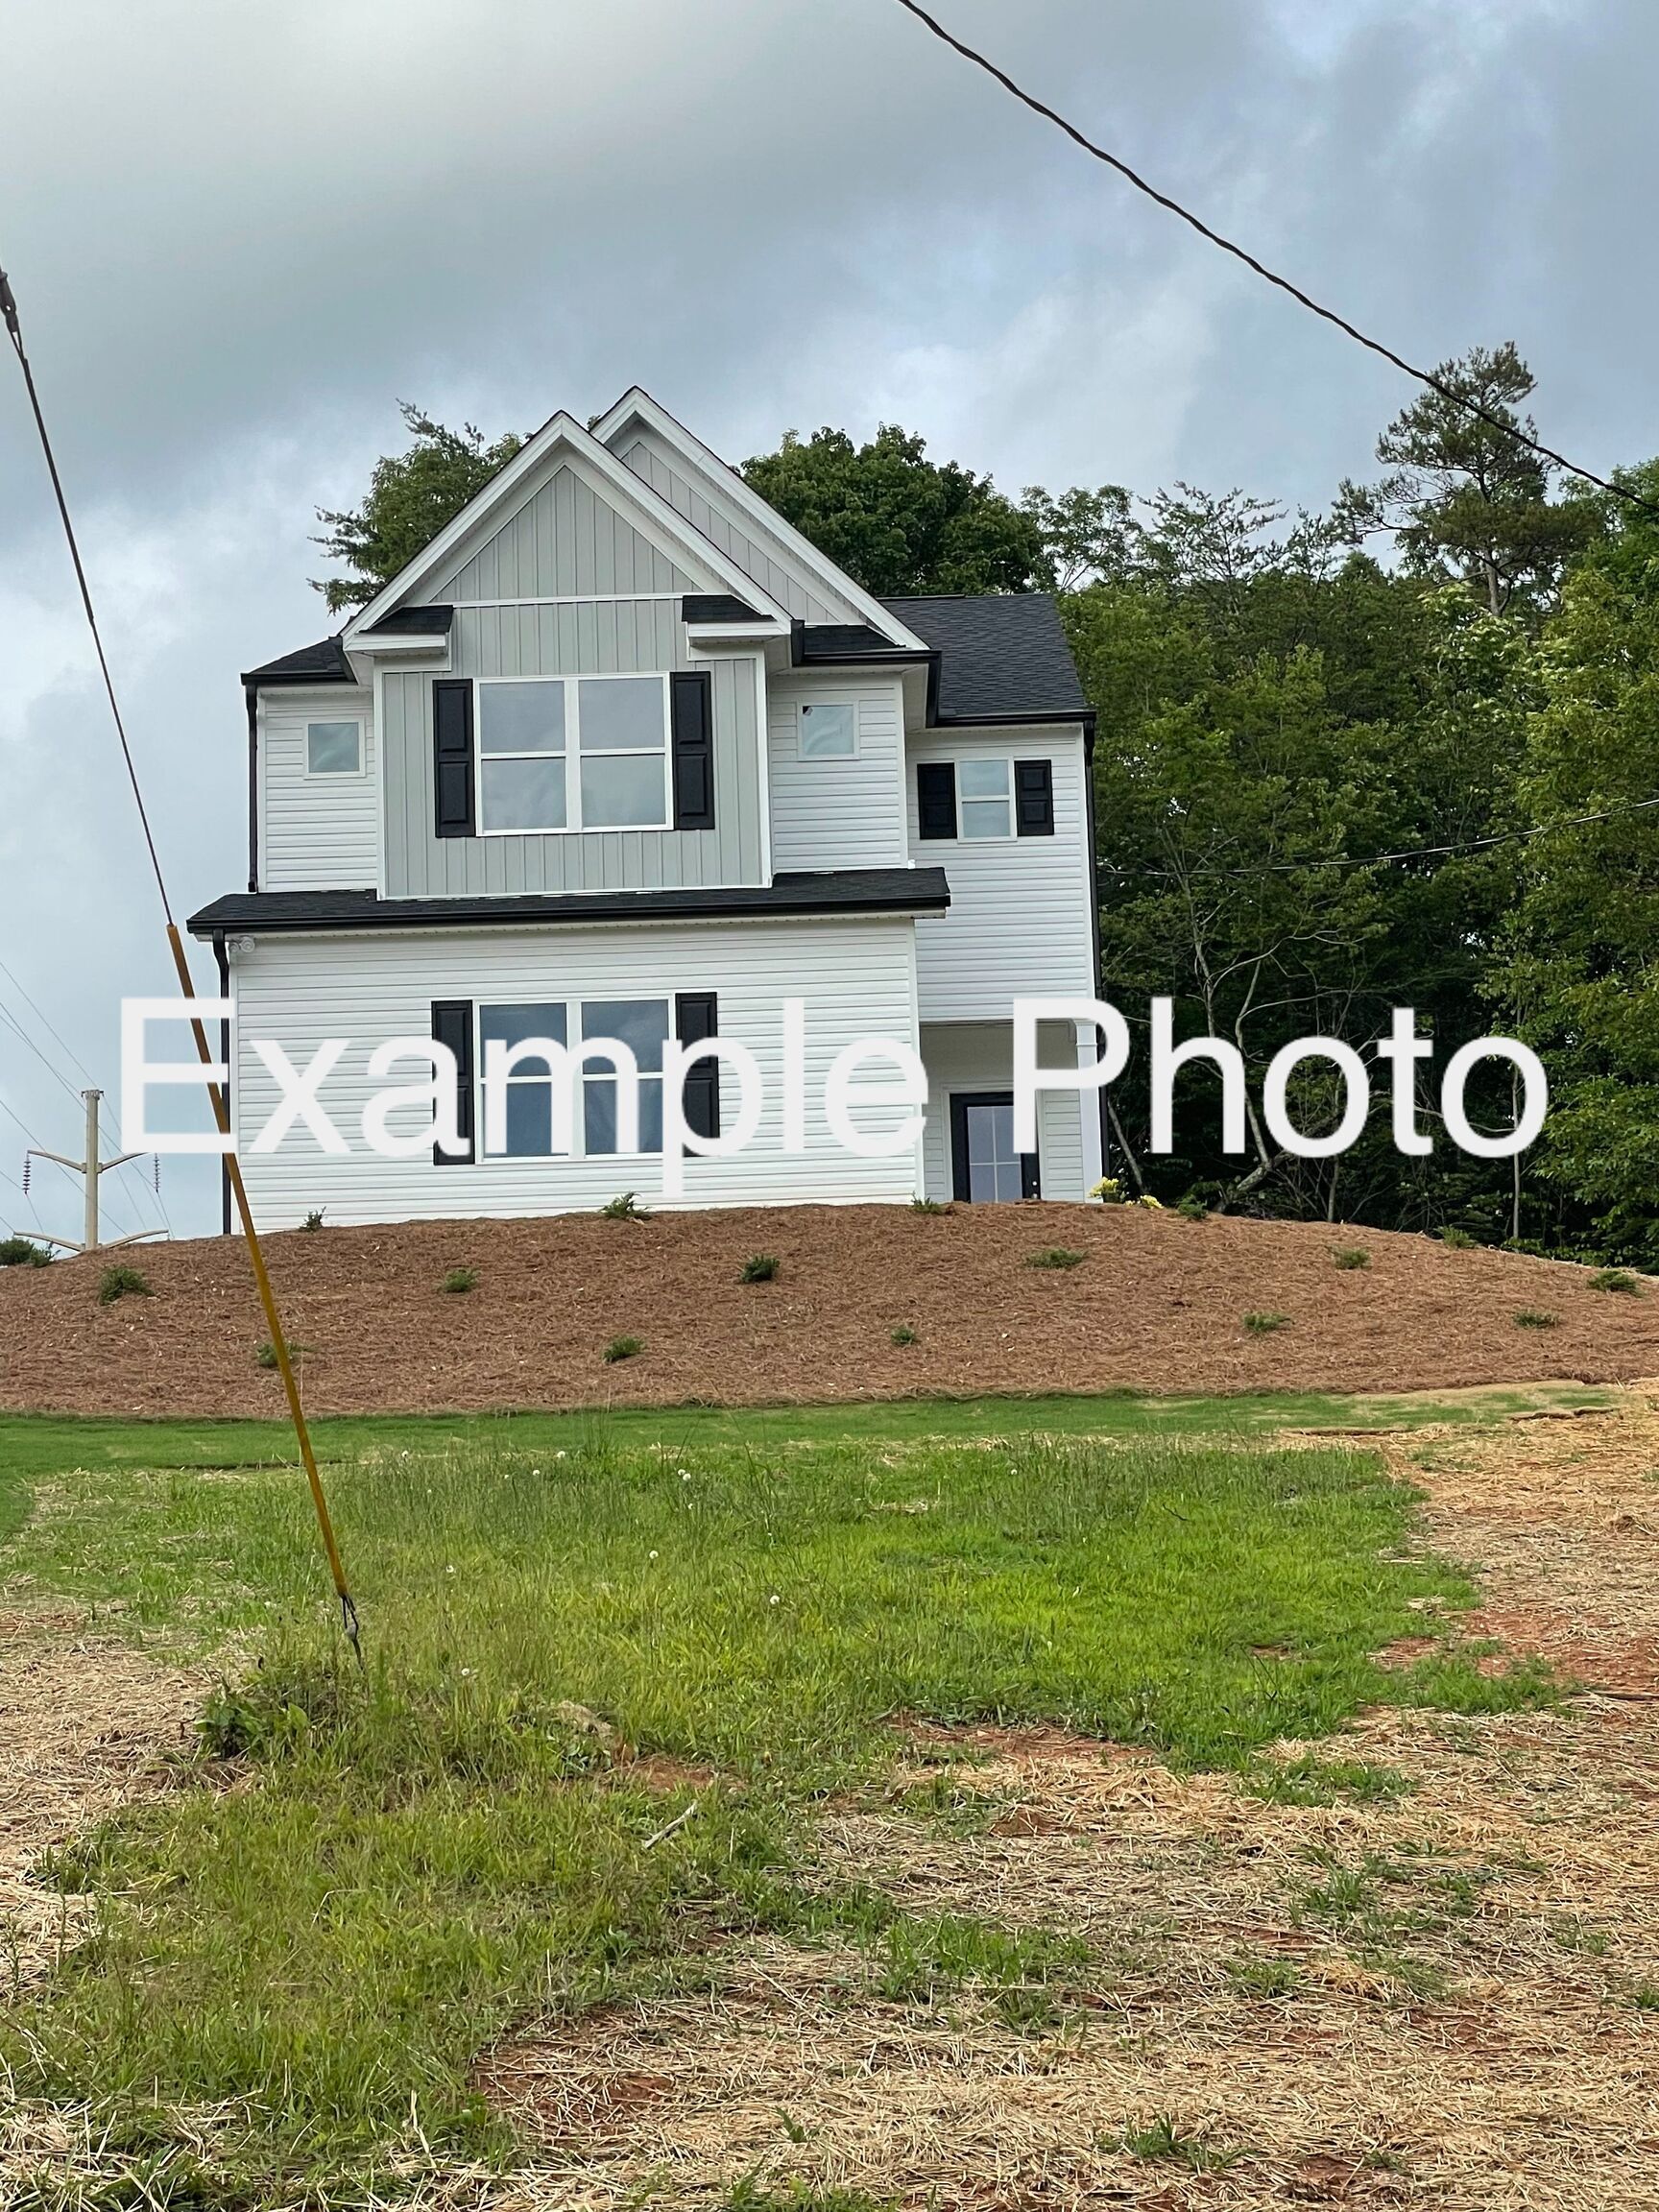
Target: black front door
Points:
x,y
984,1166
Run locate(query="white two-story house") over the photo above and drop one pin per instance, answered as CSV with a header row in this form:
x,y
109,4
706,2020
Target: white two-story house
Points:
x,y
621,754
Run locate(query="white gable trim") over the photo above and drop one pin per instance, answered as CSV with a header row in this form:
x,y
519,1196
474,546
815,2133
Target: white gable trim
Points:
x,y
563,438
639,406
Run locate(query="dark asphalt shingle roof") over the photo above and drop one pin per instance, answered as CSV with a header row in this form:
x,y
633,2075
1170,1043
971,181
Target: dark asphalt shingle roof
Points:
x,y
717,607
323,662
1001,655
839,891
413,622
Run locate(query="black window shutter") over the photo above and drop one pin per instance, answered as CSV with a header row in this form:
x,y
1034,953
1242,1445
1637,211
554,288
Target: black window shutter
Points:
x,y
452,772
1034,798
935,799
691,696
452,1026
1030,1185
697,1016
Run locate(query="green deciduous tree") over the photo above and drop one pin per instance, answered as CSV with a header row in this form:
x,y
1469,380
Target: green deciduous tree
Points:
x,y
412,496
895,521
1582,956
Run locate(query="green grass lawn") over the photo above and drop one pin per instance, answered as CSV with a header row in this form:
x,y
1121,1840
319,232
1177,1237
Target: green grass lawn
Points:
x,y
430,1852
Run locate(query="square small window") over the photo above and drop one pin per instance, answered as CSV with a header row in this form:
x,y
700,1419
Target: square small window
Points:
x,y
987,793
829,729
333,748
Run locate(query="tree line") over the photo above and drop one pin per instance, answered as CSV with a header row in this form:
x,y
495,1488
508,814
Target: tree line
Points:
x,y
1403,752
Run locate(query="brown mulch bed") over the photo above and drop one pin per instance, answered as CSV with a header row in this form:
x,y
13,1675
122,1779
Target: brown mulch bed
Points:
x,y
1157,1304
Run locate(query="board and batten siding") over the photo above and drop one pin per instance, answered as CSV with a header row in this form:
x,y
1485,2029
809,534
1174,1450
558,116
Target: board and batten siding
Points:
x,y
564,541
979,1056
1020,923
316,832
725,524
847,813
857,977
541,642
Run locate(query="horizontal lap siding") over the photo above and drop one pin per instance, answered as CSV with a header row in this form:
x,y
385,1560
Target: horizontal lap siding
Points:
x,y
317,832
838,813
857,978
724,524
1020,923
979,1056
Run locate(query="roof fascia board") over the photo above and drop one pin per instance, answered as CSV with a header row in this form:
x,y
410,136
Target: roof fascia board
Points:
x,y
638,404
671,534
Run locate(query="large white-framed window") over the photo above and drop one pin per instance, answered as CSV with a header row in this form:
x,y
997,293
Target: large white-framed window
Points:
x,y
985,790
334,748
826,729
563,754
643,1024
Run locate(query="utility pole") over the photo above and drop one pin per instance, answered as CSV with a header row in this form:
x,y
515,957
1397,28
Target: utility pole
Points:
x,y
92,1168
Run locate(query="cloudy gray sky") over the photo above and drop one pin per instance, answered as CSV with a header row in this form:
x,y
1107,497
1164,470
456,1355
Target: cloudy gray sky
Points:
x,y
239,234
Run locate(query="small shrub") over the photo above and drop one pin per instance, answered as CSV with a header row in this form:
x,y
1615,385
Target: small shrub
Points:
x,y
1351,1257
121,1282
1109,1191
1056,1255
1529,1318
758,1268
314,1219
460,1280
904,1335
930,1206
1265,1324
266,1355
1458,1240
23,1252
1615,1279
1192,1208
625,1207
622,1348
1151,1204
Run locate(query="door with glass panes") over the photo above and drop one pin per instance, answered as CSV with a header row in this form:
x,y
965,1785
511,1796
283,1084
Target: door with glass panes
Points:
x,y
984,1166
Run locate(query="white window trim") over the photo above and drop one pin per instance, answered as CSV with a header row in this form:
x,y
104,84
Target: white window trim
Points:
x,y
850,701
333,775
571,756
1003,836
524,1075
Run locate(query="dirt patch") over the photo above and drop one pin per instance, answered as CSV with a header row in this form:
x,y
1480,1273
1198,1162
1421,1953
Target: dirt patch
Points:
x,y
1157,1304
1441,1995
83,1722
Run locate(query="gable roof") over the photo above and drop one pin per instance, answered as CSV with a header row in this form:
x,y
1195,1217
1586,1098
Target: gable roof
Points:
x,y
562,435
1002,657
636,406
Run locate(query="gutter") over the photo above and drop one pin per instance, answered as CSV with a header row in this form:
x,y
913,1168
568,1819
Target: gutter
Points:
x,y
252,694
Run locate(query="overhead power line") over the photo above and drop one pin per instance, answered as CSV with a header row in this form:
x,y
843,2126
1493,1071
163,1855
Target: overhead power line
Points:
x,y
1424,376
1422,852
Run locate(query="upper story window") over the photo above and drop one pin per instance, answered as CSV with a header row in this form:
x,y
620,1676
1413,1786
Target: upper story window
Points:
x,y
573,753
983,798
987,791
829,729
333,748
